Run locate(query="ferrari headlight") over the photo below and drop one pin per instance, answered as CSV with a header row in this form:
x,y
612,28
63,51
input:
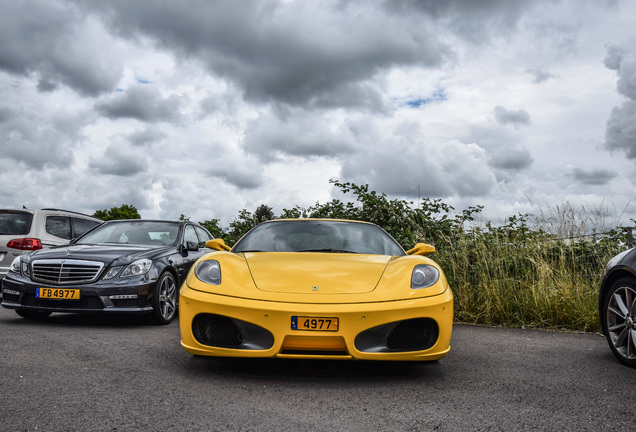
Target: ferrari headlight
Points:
x,y
424,276
208,271
137,268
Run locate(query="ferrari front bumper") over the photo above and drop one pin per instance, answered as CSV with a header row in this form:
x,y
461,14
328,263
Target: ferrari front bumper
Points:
x,y
217,325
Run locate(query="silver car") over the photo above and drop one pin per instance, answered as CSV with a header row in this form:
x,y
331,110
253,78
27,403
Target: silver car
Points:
x,y
25,230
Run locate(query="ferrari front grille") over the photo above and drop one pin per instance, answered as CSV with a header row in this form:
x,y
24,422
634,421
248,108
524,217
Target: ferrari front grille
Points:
x,y
216,330
225,332
413,335
416,334
65,271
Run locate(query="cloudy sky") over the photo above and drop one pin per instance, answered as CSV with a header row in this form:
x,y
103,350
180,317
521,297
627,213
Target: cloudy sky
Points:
x,y
204,108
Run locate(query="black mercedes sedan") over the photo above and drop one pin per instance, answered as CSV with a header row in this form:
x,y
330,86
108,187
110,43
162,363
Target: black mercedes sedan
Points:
x,y
121,266
617,306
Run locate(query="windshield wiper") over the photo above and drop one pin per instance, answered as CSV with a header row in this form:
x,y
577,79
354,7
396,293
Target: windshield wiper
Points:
x,y
328,250
249,250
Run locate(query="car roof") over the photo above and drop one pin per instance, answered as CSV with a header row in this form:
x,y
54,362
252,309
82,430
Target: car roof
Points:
x,y
319,219
46,210
149,220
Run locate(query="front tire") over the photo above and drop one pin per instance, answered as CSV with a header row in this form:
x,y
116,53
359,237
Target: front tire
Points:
x,y
33,315
164,302
620,320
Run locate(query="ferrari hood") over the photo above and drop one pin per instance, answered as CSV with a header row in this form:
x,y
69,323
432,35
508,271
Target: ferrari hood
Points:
x,y
306,272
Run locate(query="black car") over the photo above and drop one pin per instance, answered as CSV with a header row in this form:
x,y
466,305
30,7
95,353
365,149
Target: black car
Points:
x,y
122,266
617,306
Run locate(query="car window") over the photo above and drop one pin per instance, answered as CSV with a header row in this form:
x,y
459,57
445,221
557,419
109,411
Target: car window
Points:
x,y
204,236
190,235
15,223
58,226
81,226
319,236
135,232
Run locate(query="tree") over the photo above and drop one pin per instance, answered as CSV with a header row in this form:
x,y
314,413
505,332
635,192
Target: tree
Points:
x,y
263,213
126,211
212,225
246,220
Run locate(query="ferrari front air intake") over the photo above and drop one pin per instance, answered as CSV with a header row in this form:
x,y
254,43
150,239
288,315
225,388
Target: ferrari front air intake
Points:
x,y
416,334
225,332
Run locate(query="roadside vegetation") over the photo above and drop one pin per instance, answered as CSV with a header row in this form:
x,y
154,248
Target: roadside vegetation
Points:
x,y
533,271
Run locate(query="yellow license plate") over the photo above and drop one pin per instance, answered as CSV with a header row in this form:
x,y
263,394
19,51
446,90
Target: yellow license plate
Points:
x,y
314,323
58,293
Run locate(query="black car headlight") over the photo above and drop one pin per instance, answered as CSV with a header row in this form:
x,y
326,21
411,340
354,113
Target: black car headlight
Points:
x,y
112,272
208,271
137,268
424,276
19,267
15,265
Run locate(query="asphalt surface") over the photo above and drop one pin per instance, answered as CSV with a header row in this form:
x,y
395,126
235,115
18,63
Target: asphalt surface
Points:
x,y
118,373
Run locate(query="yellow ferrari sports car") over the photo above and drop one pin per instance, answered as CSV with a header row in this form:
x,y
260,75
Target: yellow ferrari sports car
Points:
x,y
317,289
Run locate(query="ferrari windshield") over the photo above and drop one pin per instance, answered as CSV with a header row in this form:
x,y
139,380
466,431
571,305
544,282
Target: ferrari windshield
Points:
x,y
133,232
318,236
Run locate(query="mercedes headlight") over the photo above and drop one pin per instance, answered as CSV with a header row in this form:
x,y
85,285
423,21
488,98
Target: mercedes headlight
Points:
x,y
137,268
15,265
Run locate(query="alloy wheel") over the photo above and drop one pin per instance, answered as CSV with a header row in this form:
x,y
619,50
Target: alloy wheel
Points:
x,y
167,297
621,321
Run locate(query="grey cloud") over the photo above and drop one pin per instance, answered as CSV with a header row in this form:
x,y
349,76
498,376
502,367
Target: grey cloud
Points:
x,y
119,161
146,136
596,176
491,137
47,145
624,63
211,104
475,20
247,174
503,145
47,85
300,134
505,116
540,75
514,159
620,133
46,40
417,169
141,102
613,58
295,53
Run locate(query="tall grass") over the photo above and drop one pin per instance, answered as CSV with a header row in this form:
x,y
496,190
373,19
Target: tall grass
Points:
x,y
529,273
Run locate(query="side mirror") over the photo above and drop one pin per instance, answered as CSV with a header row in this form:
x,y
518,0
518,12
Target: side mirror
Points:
x,y
191,246
421,249
217,244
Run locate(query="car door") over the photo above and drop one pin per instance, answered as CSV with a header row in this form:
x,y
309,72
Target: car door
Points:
x,y
190,235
